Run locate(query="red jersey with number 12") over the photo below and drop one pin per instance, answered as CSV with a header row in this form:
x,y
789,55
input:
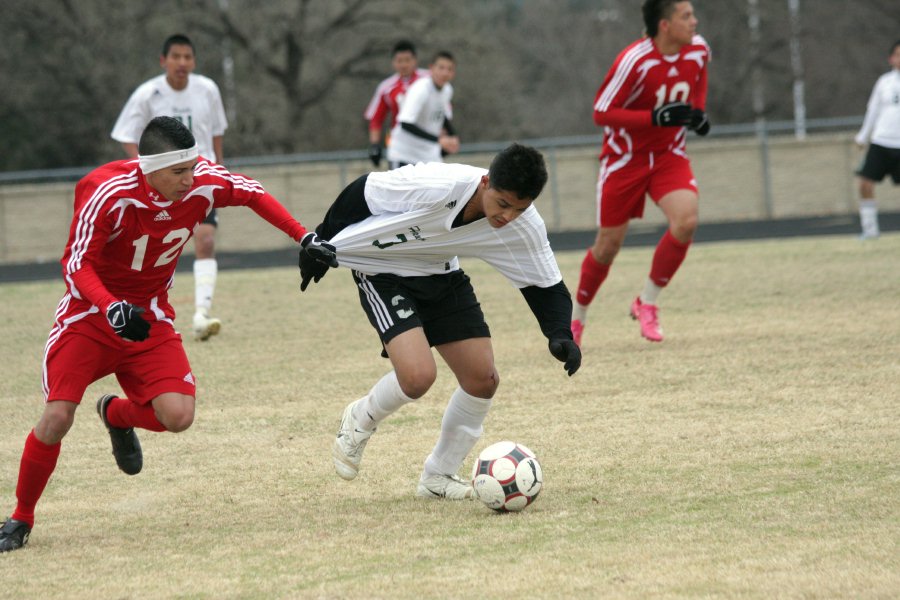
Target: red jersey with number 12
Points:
x,y
643,79
125,238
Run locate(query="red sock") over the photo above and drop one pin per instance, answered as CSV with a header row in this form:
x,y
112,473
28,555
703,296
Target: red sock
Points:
x,y
592,275
668,257
38,463
123,413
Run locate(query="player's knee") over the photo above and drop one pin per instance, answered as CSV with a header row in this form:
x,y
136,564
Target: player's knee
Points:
x,y
177,420
606,252
416,382
56,422
866,189
685,227
482,385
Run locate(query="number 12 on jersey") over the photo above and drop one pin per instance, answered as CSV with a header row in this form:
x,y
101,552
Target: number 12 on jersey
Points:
x,y
177,238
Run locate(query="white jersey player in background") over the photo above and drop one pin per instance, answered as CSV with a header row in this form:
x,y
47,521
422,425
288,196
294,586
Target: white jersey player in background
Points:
x,y
196,102
401,232
424,130
881,130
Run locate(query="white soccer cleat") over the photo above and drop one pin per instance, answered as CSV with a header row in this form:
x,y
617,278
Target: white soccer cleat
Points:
x,y
451,487
349,444
205,326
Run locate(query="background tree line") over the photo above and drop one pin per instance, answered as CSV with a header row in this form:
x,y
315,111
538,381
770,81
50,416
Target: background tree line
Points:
x,y
296,74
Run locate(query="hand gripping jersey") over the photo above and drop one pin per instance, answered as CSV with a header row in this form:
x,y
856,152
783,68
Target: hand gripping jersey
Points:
x,y
198,107
410,231
125,238
640,80
426,107
388,97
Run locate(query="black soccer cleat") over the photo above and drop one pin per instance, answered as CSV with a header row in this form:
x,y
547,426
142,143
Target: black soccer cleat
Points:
x,y
13,535
125,444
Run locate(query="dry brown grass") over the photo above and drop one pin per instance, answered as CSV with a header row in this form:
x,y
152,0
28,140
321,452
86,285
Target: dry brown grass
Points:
x,y
753,454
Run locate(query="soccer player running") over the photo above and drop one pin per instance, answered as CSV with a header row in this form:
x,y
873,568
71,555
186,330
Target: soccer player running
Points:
x,y
195,101
132,219
881,130
654,92
389,95
402,233
424,131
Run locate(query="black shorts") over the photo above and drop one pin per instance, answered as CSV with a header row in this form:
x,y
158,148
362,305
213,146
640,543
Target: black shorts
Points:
x,y
881,161
443,305
211,219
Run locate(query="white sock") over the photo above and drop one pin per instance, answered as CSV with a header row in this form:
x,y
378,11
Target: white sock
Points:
x,y
383,399
205,271
868,217
579,312
650,293
461,427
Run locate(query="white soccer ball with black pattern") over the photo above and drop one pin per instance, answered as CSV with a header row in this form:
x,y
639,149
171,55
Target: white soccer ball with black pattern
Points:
x,y
507,476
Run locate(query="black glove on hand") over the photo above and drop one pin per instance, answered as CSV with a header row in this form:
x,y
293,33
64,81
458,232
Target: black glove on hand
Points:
x,y
673,114
568,352
125,319
375,153
699,121
316,257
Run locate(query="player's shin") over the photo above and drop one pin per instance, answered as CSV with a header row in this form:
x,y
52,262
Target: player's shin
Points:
x,y
37,464
461,429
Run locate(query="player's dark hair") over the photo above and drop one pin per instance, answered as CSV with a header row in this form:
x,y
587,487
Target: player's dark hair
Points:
x,y
403,46
519,169
179,39
894,47
164,134
443,54
655,11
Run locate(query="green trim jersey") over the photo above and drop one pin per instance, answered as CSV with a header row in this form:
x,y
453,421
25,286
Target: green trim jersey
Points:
x,y
410,231
198,106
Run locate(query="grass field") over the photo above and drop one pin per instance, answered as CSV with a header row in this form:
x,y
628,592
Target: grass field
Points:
x,y
753,454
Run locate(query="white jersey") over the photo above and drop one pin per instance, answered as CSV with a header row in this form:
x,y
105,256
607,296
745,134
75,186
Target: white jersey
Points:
x,y
198,106
882,123
411,233
426,107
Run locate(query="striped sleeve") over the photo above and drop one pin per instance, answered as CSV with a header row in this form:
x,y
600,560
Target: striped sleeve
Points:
x,y
91,228
238,190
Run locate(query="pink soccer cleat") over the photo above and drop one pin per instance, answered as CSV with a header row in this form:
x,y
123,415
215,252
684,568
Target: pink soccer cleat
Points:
x,y
647,315
577,330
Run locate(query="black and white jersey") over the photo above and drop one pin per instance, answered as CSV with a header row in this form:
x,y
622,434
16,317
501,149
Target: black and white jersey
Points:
x,y
882,122
410,232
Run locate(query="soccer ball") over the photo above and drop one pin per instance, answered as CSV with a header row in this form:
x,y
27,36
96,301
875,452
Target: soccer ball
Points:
x,y
507,477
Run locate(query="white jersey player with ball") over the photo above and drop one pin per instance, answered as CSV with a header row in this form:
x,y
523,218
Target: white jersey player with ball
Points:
x,y
402,233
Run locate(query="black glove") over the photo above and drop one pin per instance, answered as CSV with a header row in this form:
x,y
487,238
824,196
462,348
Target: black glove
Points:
x,y
375,153
126,321
568,352
699,122
673,114
316,257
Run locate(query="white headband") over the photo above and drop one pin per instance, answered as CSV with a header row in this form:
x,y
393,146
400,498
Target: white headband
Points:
x,y
154,162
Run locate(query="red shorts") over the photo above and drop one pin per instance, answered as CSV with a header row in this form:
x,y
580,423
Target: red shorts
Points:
x,y
624,183
82,348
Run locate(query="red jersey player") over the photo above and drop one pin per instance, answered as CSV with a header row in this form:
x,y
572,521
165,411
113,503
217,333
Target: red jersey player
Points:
x,y
132,220
389,95
654,92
